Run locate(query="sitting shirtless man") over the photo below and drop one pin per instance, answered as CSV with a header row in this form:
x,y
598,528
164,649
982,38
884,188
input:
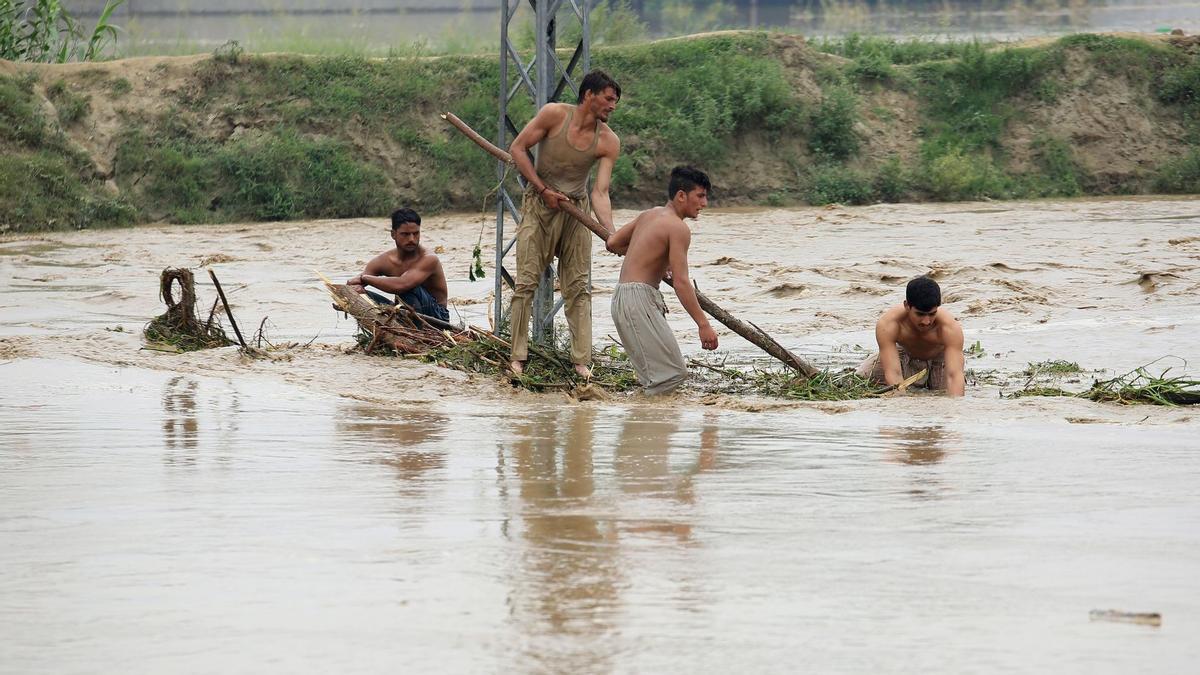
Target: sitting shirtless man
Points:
x,y
654,243
918,334
410,271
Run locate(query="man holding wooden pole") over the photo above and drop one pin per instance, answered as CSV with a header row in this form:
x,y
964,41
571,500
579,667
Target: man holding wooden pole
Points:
x,y
655,245
571,139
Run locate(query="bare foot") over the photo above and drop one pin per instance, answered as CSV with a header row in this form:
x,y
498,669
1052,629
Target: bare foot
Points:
x,y
583,371
518,367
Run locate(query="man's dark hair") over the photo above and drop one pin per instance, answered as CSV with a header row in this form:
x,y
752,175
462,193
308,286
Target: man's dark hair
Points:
x,y
923,294
686,178
596,82
402,216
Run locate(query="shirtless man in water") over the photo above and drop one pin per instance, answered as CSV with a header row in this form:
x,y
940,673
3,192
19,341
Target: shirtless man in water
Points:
x,y
656,243
410,271
918,334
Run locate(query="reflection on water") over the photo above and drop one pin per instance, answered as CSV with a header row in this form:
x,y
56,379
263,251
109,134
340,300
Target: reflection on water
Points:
x,y
403,439
346,537
570,577
921,448
569,574
918,445
179,417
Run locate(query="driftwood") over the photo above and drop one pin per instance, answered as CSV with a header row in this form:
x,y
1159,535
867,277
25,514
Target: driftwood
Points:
x,y
179,328
751,333
228,312
399,328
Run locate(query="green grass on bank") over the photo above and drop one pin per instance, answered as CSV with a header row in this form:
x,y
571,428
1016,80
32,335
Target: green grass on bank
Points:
x,y
45,183
248,137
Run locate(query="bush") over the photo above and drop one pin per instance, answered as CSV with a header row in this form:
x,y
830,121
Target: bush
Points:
x,y
832,183
831,124
892,183
957,176
71,107
1179,176
1060,172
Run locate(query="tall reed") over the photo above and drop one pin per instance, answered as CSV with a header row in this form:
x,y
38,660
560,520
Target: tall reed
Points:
x,y
43,31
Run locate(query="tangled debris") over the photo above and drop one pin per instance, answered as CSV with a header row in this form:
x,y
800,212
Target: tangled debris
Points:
x,y
180,327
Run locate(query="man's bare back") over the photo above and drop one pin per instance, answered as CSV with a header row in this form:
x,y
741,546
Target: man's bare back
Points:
x,y
649,252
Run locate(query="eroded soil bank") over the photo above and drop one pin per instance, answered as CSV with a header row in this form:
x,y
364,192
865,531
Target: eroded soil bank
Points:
x,y
232,137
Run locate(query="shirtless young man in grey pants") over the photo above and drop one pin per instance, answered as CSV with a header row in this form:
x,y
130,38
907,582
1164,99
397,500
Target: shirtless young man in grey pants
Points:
x,y
655,243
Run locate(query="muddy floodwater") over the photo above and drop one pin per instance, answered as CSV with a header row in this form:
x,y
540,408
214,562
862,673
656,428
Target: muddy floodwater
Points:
x,y
326,511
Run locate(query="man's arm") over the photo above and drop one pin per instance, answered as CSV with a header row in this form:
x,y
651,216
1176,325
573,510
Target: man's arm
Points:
x,y
886,332
376,266
956,381
601,203
533,133
680,239
413,277
619,242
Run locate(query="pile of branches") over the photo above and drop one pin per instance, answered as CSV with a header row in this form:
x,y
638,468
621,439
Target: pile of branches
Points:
x,y
180,326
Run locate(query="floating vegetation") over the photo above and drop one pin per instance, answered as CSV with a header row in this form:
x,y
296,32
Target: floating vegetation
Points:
x,y
549,368
1052,367
1136,386
179,326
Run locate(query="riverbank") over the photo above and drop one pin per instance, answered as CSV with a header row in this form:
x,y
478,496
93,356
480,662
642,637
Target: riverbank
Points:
x,y
231,137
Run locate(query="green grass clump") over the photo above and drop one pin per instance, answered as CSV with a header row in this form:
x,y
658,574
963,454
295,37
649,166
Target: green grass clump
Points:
x,y
1053,367
71,107
119,87
824,386
892,51
968,99
1134,387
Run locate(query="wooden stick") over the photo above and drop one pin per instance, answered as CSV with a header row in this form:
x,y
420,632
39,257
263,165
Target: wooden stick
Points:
x,y
228,312
902,387
753,335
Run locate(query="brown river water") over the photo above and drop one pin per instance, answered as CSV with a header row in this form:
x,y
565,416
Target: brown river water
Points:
x,y
325,511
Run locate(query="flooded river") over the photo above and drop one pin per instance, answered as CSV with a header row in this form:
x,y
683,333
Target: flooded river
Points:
x,y
325,511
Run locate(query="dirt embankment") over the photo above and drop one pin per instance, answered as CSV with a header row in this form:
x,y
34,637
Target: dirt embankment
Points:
x,y
231,137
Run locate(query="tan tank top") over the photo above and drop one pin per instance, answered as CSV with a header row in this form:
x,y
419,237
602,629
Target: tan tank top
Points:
x,y
563,167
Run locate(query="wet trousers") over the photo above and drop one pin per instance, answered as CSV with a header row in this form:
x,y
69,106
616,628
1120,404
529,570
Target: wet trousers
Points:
x,y
639,313
543,235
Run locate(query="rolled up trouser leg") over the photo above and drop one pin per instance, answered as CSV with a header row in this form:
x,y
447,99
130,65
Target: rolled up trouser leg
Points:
x,y
639,314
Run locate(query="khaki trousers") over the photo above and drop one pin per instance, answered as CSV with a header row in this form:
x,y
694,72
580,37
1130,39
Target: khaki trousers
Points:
x,y
543,235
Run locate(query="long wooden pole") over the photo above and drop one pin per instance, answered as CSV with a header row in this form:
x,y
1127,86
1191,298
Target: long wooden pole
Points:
x,y
752,334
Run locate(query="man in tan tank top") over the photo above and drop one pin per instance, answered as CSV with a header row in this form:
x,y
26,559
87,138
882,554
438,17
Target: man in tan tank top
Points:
x,y
571,139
